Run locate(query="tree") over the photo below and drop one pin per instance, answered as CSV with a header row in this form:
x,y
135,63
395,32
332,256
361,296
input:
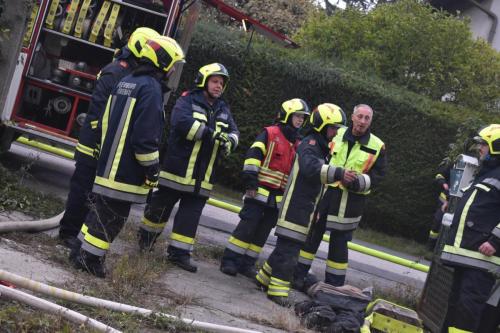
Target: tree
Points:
x,y
413,45
285,16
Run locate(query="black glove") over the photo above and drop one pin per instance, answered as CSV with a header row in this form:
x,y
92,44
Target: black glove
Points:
x,y
152,176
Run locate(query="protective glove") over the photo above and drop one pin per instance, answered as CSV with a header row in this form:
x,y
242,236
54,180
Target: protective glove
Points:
x,y
222,137
226,148
152,177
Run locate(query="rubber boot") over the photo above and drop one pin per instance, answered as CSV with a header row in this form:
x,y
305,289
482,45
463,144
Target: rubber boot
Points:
x,y
335,280
230,262
247,267
181,258
147,239
299,276
90,263
281,301
74,249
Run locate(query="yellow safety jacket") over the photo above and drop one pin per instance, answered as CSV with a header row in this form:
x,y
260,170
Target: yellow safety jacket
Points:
x,y
346,207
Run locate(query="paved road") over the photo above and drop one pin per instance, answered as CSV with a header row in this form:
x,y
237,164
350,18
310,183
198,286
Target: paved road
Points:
x,y
51,173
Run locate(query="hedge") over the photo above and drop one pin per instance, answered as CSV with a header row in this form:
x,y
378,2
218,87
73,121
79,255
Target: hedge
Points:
x,y
416,130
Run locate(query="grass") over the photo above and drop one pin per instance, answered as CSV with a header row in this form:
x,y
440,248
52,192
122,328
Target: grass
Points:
x,y
15,317
16,197
228,195
396,243
209,252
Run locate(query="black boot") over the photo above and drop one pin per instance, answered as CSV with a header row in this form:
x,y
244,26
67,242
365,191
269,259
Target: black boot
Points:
x,y
247,267
181,258
299,276
89,262
147,239
230,262
229,268
68,241
335,280
74,249
281,301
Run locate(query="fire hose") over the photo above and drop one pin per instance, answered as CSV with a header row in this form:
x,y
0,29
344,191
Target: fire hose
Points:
x,y
47,306
115,306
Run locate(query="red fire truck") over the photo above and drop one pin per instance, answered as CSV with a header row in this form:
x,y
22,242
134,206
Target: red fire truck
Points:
x,y
67,42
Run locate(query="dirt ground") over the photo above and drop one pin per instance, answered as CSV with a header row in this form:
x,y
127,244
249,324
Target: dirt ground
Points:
x,y
147,281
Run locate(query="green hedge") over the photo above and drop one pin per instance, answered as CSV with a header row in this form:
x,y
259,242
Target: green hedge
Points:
x,y
417,131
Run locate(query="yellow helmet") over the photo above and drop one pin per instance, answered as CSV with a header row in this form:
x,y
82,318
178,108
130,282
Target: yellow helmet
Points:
x,y
327,114
138,38
163,52
208,70
491,136
292,106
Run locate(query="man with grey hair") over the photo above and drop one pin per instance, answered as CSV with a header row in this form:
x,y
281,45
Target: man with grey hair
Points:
x,y
363,157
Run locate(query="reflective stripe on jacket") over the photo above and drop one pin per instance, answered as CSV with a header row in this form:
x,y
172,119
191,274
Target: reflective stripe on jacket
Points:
x,y
87,149
303,189
192,155
365,155
268,163
131,128
278,160
476,220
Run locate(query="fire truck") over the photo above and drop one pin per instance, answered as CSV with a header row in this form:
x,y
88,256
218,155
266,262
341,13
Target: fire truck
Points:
x,y
65,44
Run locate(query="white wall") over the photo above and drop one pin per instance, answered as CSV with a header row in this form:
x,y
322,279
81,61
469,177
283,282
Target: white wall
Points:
x,y
481,22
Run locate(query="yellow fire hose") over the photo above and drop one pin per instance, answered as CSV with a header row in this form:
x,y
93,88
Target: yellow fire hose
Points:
x,y
235,209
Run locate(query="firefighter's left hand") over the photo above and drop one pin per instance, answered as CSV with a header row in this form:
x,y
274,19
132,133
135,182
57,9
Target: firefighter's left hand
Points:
x,y
487,249
226,148
152,177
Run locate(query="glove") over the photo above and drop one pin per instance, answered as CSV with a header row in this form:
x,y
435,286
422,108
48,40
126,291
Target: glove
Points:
x,y
152,176
222,137
226,148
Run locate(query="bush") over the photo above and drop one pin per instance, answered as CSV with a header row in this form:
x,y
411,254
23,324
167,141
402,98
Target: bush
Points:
x,y
416,130
412,45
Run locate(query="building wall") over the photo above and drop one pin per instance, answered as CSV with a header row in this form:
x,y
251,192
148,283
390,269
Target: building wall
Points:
x,y
481,22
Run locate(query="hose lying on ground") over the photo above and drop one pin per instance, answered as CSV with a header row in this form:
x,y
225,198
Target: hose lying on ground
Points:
x,y
98,302
50,307
39,225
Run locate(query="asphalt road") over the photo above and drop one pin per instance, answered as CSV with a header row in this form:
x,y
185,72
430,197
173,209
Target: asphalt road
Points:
x,y
51,173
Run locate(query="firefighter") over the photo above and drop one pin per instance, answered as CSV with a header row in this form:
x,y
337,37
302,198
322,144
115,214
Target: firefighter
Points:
x,y
490,317
362,155
309,172
87,149
202,129
265,174
128,164
442,181
473,246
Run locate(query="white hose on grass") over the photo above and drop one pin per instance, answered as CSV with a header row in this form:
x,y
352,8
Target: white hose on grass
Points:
x,y
39,225
98,302
53,308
